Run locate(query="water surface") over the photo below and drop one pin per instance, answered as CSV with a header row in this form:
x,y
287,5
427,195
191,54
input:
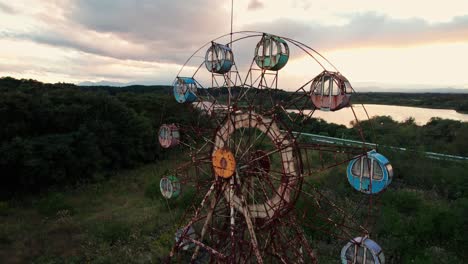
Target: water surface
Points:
x,y
398,113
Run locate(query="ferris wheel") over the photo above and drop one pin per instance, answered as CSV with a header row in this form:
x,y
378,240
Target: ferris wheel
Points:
x,y
253,170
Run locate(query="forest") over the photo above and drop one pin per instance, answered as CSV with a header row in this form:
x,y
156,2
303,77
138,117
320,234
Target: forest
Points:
x,y
80,169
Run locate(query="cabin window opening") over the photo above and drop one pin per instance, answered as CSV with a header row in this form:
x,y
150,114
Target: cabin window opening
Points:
x,y
326,86
267,47
317,88
260,51
335,87
377,173
349,88
366,168
390,170
356,170
275,48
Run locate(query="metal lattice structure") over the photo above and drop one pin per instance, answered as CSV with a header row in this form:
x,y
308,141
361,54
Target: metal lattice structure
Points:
x,y
256,201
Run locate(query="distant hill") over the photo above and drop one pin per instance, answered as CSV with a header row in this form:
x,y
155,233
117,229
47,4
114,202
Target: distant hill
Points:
x,y
437,98
102,83
359,87
123,84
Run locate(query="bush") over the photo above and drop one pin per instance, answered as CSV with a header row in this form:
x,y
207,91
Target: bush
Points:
x,y
153,191
111,232
4,208
52,204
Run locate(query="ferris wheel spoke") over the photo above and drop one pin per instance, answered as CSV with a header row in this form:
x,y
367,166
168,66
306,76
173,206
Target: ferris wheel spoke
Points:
x,y
325,216
209,216
250,227
274,151
256,140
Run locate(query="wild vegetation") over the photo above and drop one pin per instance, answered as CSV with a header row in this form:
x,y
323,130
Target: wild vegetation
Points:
x,y
81,168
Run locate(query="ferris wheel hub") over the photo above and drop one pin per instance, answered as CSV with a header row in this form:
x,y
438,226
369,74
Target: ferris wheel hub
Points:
x,y
224,163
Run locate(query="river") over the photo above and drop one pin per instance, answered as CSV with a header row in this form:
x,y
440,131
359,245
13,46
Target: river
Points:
x,y
398,113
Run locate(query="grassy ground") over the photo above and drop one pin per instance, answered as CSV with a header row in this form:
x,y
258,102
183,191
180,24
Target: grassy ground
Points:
x,y
122,219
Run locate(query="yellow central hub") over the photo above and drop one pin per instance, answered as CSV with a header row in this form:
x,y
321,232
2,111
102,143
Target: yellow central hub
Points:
x,y
224,163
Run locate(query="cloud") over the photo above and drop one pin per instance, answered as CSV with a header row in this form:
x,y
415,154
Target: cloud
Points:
x,y
126,40
165,26
165,31
7,9
137,30
370,30
254,5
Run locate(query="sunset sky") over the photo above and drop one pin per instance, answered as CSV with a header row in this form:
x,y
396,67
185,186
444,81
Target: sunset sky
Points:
x,y
387,44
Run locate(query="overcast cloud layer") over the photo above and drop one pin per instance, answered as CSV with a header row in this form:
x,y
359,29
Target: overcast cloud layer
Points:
x,y
153,34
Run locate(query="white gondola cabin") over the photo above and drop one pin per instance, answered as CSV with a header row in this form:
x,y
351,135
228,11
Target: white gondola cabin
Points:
x,y
330,91
370,173
169,187
168,135
362,250
219,58
185,90
271,53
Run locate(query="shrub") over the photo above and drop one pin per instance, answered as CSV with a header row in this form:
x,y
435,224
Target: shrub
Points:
x,y
52,204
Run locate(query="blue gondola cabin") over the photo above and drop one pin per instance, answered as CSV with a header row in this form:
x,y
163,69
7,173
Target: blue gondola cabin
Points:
x,y
370,173
219,58
185,90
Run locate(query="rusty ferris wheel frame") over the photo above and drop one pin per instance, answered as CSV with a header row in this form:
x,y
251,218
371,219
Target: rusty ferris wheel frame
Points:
x,y
250,172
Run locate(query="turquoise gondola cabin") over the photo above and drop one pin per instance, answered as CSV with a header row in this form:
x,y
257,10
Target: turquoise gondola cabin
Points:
x,y
271,53
169,187
185,90
370,173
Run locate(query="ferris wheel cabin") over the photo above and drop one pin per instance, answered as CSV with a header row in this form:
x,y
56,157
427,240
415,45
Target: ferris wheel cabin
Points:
x,y
271,53
370,173
330,91
219,58
169,187
362,250
168,136
185,90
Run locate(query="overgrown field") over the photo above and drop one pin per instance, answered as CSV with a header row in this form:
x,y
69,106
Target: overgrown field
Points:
x,y
122,219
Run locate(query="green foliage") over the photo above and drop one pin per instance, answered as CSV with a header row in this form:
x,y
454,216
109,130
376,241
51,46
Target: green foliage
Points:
x,y
152,190
53,203
60,134
111,231
4,208
57,260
